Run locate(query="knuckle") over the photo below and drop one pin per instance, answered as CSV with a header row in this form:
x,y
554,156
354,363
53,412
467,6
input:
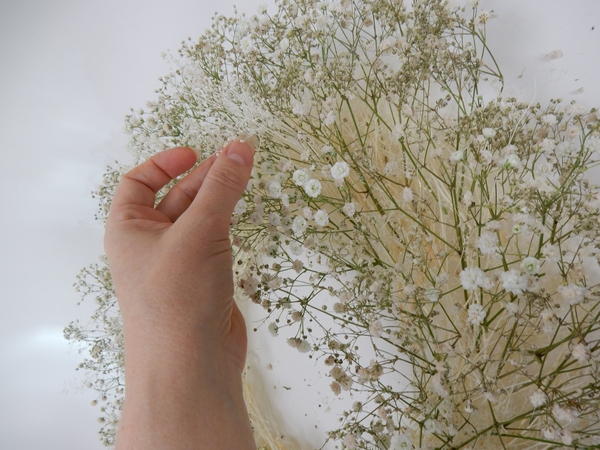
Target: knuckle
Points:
x,y
189,192
227,177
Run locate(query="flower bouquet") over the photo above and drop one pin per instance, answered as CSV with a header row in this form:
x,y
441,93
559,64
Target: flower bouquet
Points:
x,y
434,244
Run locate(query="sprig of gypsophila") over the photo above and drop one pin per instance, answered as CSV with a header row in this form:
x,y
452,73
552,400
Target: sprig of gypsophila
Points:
x,y
103,340
435,248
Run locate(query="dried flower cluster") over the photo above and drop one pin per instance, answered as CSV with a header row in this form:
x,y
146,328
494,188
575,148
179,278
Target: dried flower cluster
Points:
x,y
437,249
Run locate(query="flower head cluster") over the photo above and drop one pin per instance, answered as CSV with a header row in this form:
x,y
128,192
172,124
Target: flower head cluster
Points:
x,y
396,205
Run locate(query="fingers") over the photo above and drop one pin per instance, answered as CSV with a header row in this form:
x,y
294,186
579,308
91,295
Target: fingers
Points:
x,y
181,196
221,189
140,185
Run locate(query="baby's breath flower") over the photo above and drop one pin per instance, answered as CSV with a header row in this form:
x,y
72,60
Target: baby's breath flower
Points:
x,y
566,437
472,278
513,281
401,441
457,156
349,209
549,119
375,328
296,248
274,219
273,328
476,314
510,162
307,213
581,352
572,293
301,177
321,218
530,265
488,133
299,225
487,243
312,188
340,170
564,415
275,189
538,398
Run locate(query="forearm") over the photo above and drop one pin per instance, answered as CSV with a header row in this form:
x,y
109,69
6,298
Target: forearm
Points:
x,y
179,396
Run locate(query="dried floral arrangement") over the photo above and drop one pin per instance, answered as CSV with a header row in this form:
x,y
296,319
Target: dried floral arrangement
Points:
x,y
436,247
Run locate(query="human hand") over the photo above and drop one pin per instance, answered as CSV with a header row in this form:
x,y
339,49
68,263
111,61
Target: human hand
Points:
x,y
172,271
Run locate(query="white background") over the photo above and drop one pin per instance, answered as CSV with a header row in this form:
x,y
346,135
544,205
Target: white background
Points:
x,y
69,71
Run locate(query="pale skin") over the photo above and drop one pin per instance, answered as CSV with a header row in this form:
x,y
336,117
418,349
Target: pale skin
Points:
x,y
185,338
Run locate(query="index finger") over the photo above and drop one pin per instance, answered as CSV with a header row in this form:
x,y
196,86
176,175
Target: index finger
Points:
x,y
140,185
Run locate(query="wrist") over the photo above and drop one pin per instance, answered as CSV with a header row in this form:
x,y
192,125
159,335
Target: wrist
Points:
x,y
178,389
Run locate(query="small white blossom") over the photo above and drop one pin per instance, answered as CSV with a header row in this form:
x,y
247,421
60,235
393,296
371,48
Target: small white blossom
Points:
x,y
340,170
321,218
307,213
284,44
550,432
487,243
566,437
273,328
457,156
297,266
538,398
312,188
488,133
550,252
432,426
486,157
249,285
493,226
301,345
349,440
438,385
349,209
472,278
572,293
549,119
274,219
246,44
581,352
510,162
301,177
407,195
299,225
296,248
564,415
512,308
275,189
401,441
375,328
549,321
530,265
476,314
467,198
513,282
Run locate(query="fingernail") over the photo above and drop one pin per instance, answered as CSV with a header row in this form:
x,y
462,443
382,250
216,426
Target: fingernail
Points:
x,y
241,152
251,140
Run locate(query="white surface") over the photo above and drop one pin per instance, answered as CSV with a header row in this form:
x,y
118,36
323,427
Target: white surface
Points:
x,y
70,72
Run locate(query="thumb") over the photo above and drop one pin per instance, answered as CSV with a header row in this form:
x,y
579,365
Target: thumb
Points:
x,y
222,188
